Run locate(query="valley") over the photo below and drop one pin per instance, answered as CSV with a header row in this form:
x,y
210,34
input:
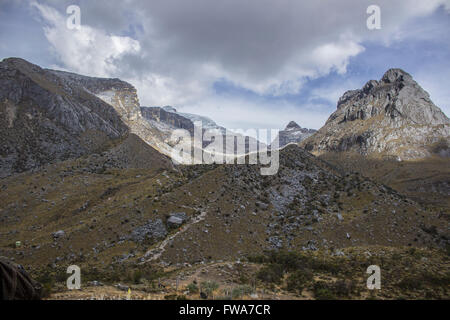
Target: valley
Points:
x,y
87,180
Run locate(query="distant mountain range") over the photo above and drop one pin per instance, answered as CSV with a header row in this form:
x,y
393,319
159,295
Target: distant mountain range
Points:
x,y
293,133
167,119
52,115
86,180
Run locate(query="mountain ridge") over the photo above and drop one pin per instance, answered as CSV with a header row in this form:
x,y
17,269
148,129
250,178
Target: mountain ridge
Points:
x,y
390,117
49,116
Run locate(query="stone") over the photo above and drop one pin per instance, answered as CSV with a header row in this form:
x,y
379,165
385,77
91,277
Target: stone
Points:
x,y
176,219
122,287
174,222
58,234
153,230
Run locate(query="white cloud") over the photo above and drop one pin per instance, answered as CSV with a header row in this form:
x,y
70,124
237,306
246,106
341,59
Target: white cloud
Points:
x,y
183,47
335,56
87,51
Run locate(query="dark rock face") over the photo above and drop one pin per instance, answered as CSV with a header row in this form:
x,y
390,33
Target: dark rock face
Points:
x,y
171,118
44,118
294,134
16,284
390,117
152,231
167,119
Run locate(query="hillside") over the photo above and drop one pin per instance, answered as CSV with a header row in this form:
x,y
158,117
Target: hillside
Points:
x,y
427,181
44,119
122,211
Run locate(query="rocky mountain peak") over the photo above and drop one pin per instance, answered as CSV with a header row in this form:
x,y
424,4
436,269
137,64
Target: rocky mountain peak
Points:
x,y
393,116
293,133
292,125
394,75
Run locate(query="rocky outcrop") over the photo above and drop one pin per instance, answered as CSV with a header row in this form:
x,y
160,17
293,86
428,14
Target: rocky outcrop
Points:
x,y
152,231
173,119
48,116
391,117
176,219
293,133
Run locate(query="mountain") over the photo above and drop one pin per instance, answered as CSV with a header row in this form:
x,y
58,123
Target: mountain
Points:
x,y
123,97
167,120
49,116
293,133
45,119
100,197
393,117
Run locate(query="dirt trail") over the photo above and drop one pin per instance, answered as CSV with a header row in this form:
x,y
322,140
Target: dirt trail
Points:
x,y
155,253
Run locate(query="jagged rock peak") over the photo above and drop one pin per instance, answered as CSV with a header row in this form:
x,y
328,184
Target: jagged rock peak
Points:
x,y
393,116
394,79
292,125
293,133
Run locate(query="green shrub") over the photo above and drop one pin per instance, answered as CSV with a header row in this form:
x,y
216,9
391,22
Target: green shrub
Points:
x,y
272,273
410,283
323,291
343,288
241,291
289,261
326,266
297,280
192,287
209,287
137,276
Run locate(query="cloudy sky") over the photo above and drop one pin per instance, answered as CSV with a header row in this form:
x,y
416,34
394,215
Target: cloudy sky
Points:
x,y
244,63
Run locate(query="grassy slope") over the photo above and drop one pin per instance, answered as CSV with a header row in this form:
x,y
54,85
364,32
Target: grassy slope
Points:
x,y
426,181
98,208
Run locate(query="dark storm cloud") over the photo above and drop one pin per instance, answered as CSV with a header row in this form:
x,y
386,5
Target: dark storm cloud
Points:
x,y
174,51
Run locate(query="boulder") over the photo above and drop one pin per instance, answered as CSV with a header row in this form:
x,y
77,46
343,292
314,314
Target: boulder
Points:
x,y
174,222
16,284
176,219
58,234
152,230
122,287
